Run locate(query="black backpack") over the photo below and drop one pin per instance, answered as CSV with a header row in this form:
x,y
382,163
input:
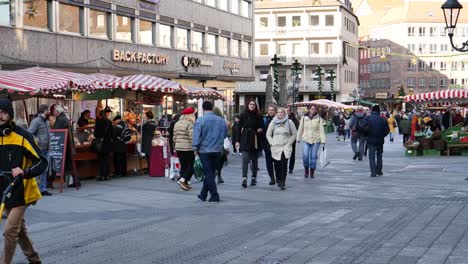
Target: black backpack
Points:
x,y
361,124
126,134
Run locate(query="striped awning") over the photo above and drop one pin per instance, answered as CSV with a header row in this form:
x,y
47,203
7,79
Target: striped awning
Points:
x,y
197,93
444,96
322,103
142,82
10,82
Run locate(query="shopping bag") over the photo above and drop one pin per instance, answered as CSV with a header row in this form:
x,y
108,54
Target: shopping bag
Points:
x,y
198,169
174,172
323,156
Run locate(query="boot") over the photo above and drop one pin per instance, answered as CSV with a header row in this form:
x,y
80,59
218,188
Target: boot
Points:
x,y
356,155
311,173
244,183
220,179
253,182
272,181
306,174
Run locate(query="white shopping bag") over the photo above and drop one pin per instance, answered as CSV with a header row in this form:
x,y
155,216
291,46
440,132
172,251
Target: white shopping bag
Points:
x,y
323,157
174,172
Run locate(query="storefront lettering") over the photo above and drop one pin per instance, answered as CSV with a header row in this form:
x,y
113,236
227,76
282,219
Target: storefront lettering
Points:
x,y
190,62
232,66
139,57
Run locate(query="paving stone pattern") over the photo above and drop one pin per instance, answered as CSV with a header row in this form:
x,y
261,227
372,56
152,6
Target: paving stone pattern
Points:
x,y
415,213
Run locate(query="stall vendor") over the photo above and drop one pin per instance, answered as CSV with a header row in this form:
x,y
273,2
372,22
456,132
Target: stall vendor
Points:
x,y
83,123
84,118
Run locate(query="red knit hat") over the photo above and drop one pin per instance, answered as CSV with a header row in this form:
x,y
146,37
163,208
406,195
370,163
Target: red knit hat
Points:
x,y
188,111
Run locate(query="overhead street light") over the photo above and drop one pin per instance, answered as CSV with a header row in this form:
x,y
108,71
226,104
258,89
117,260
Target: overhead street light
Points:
x,y
451,9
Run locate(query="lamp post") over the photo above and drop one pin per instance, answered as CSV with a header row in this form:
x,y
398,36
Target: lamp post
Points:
x,y
451,9
296,68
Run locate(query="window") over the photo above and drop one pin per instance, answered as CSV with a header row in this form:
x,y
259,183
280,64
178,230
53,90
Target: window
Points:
x,y
329,48
443,83
123,28
69,18
165,36
442,32
453,81
433,48
281,49
223,5
432,65
443,66
281,21
210,3
36,13
5,13
411,66
422,83
98,24
422,48
197,41
410,31
182,38
421,65
245,8
264,49
223,46
443,47
145,34
264,22
314,20
462,65
296,21
314,48
297,49
411,82
234,48
245,50
422,31
432,31
432,82
329,20
211,44
235,6
454,66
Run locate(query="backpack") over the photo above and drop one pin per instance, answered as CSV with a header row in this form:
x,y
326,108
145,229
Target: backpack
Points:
x,y
126,134
361,125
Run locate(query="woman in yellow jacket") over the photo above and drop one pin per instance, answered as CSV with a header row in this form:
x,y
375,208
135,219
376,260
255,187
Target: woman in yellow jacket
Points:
x,y
312,133
391,125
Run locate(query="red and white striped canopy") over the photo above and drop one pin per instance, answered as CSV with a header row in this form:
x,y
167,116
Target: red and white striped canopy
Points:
x,y
197,93
322,103
445,96
10,82
141,82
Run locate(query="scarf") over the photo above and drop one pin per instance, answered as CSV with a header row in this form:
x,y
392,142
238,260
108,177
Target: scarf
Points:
x,y
278,121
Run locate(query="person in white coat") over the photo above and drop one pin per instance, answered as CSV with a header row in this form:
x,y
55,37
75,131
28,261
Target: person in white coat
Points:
x,y
281,135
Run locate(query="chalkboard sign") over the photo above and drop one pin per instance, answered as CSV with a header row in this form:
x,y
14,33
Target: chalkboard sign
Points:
x,y
58,150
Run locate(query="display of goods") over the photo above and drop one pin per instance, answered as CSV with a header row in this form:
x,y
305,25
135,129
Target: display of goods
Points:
x,y
426,143
412,145
440,144
464,139
437,135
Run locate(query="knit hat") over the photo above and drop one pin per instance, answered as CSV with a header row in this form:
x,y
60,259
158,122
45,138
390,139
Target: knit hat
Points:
x,y
7,106
117,118
188,111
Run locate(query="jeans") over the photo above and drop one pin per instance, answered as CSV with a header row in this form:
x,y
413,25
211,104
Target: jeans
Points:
x,y
246,158
281,169
348,133
292,159
375,150
186,159
309,154
120,163
15,232
209,161
269,164
355,139
42,179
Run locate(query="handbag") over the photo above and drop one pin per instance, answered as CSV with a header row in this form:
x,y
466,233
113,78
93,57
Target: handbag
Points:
x,y
174,172
323,155
97,145
198,169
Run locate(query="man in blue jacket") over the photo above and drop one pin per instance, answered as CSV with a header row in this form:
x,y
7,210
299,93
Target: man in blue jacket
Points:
x,y
376,129
209,133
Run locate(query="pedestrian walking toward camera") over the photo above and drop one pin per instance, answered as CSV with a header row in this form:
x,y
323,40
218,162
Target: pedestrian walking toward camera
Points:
x,y
358,139
271,113
183,131
281,134
376,129
209,133
249,141
312,133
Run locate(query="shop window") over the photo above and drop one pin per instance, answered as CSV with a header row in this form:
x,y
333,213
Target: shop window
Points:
x,y
36,13
197,41
223,46
245,49
314,20
98,24
145,34
165,36
329,20
263,49
234,48
211,44
235,6
5,12
123,28
181,38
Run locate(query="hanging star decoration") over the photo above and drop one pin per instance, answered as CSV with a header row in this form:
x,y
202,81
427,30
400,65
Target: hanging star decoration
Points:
x,y
316,2
383,57
414,61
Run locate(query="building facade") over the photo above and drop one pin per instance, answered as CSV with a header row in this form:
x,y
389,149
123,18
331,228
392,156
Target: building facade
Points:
x,y
313,32
194,42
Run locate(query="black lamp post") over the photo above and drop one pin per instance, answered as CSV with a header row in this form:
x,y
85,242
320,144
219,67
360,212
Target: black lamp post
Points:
x,y
451,10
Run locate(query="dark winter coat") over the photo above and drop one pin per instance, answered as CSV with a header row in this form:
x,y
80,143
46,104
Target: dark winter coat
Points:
x,y
249,138
147,136
405,127
376,129
119,145
293,118
62,122
104,130
446,120
266,122
235,131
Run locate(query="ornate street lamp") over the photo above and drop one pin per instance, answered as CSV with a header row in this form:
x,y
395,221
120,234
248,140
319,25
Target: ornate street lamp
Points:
x,y
451,10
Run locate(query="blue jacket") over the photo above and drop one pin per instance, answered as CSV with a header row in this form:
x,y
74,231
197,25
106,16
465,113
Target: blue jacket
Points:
x,y
376,129
209,133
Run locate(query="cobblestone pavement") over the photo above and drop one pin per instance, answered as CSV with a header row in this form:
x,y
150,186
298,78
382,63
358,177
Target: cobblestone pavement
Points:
x,y
415,213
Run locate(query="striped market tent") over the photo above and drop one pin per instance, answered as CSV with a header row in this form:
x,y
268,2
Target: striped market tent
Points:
x,y
444,97
10,82
196,93
142,82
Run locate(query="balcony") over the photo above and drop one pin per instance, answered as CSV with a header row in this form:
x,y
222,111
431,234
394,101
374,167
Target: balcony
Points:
x,y
322,60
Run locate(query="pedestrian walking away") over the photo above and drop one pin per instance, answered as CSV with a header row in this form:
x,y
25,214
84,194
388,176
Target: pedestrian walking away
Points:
x,y
183,131
312,133
225,152
271,113
20,157
209,133
147,135
281,134
376,129
104,133
405,128
292,159
251,128
40,129
121,136
392,125
357,133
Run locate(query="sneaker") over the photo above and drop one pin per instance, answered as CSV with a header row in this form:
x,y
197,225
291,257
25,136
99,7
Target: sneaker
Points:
x,y
46,193
373,175
220,179
244,183
379,173
203,199
356,155
183,185
214,200
253,182
290,172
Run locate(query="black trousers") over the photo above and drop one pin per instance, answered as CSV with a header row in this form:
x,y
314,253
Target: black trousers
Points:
x,y
103,164
248,157
292,159
186,159
120,163
281,169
